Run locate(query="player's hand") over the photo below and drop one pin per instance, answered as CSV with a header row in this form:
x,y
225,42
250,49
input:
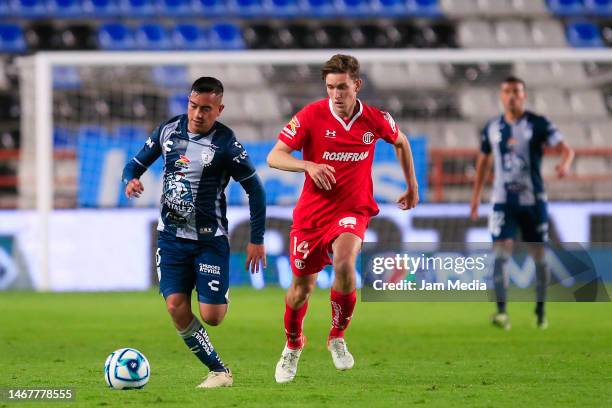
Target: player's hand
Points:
x,y
409,199
474,204
134,188
562,170
256,255
321,174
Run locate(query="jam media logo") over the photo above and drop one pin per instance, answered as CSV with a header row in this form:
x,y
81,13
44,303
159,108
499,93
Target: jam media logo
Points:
x,y
348,222
182,162
368,138
208,153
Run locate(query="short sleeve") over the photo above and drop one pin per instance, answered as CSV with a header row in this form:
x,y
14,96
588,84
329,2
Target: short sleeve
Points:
x,y
485,143
241,167
389,130
296,131
552,136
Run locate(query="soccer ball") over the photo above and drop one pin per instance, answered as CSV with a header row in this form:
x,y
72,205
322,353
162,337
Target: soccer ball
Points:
x,y
126,368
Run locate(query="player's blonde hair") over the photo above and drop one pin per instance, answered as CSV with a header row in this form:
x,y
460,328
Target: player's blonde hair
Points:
x,y
341,64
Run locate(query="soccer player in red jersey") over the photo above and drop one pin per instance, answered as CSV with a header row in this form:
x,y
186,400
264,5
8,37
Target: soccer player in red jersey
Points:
x,y
337,137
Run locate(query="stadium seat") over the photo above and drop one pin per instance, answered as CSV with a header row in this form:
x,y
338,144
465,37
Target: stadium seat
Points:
x,y
282,8
177,103
75,37
246,133
115,36
529,8
389,8
476,34
137,8
92,132
210,8
329,36
601,8
246,8
551,73
66,77
41,36
584,35
353,8
425,75
259,36
170,76
174,8
234,111
28,8
552,101
548,34
444,35
588,104
190,37
459,8
423,8
513,34
606,34
64,8
566,7
461,135
600,133
319,8
226,36
11,38
591,166
575,134
131,132
152,36
478,103
100,8
262,106
63,138
496,8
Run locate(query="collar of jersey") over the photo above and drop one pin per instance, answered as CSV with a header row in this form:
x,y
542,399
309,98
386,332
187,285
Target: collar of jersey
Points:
x,y
339,119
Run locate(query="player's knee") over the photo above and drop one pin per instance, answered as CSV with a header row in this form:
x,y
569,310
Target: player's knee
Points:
x,y
344,268
299,294
212,319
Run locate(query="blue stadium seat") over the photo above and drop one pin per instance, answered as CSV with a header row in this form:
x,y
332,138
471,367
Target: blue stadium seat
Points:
x,y
100,8
152,36
28,8
190,37
66,77
5,9
226,36
170,76
177,103
246,8
131,132
64,8
282,8
584,35
353,8
11,38
92,132
64,138
115,36
137,8
566,7
175,8
424,8
210,8
598,7
389,8
320,8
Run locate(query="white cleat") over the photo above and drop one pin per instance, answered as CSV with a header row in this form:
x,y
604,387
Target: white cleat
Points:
x,y
218,379
343,359
286,368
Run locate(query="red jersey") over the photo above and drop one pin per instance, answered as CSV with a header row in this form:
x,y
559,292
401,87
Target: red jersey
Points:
x,y
325,138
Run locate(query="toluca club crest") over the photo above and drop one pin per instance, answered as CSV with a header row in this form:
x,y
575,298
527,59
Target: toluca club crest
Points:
x,y
208,153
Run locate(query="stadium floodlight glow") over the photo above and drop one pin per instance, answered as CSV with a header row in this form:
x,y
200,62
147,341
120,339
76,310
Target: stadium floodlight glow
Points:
x,y
37,93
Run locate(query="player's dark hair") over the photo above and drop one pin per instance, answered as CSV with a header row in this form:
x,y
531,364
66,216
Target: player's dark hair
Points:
x,y
341,64
514,80
207,85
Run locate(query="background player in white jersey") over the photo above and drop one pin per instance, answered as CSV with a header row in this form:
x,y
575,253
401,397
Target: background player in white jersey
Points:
x,y
514,142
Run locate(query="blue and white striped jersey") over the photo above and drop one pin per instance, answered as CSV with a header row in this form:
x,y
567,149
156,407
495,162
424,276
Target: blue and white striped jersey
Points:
x,y
517,151
197,169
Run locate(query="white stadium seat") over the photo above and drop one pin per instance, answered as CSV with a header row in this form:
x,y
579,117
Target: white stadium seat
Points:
x,y
479,103
459,8
461,134
476,34
589,103
552,102
513,33
548,34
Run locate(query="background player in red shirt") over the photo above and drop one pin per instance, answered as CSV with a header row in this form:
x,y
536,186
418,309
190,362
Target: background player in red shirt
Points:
x,y
337,138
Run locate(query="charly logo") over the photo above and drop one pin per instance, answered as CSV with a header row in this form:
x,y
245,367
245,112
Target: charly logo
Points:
x,y
348,222
182,162
368,138
299,263
208,153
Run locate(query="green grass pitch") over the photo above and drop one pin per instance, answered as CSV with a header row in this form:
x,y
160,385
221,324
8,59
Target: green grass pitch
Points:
x,y
423,354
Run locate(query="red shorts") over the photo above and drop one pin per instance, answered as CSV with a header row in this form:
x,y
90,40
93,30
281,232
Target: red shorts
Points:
x,y
310,247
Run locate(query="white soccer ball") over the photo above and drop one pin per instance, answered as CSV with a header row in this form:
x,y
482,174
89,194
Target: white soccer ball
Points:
x,y
126,368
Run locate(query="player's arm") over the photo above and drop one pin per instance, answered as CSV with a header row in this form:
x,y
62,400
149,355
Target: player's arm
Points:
x,y
567,157
280,158
136,167
403,152
243,171
483,166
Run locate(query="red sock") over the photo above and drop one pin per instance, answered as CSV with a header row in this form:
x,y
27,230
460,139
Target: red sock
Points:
x,y
294,320
342,311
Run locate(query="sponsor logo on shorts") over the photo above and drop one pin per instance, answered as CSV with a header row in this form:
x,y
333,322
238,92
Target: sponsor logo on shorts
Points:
x,y
210,269
345,156
368,138
299,263
348,222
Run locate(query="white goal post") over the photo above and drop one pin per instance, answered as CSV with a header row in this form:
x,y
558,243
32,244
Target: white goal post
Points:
x,y
37,96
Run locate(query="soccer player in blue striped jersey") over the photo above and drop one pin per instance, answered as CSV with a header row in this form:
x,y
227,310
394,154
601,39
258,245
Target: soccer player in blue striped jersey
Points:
x,y
514,143
200,155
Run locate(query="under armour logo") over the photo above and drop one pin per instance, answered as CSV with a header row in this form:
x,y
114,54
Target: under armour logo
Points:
x,y
330,133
